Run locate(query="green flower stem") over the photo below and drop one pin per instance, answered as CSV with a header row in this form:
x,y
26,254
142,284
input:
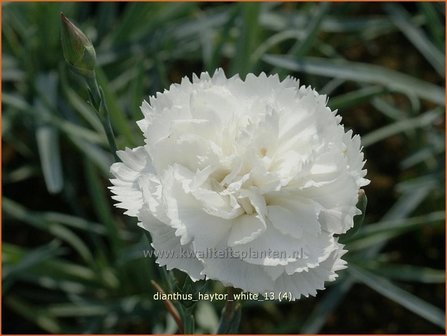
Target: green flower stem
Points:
x,y
95,93
80,55
99,104
170,308
231,315
185,312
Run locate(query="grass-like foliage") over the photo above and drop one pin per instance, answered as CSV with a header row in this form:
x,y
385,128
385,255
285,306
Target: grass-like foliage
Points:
x,y
73,264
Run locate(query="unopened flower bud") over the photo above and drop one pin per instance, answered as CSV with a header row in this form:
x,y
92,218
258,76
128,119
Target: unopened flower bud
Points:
x,y
78,49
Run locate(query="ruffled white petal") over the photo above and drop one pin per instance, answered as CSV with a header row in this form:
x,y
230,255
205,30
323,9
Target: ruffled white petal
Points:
x,y
245,229
258,169
168,249
234,272
272,248
186,214
308,282
136,163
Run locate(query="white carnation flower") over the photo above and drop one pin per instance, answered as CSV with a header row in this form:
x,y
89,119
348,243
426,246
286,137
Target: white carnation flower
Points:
x,y
246,182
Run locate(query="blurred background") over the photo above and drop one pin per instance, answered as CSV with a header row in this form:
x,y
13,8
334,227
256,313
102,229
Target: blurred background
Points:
x,y
73,264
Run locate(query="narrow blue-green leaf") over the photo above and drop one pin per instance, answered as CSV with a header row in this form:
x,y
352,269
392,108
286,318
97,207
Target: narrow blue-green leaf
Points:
x,y
302,47
401,18
223,37
106,17
39,316
47,140
47,136
72,310
117,115
361,72
405,205
13,75
8,61
83,109
33,258
434,23
57,268
101,202
73,222
407,272
382,232
73,240
332,85
368,26
331,24
141,19
95,154
19,212
272,41
400,296
206,316
423,181
401,225
63,125
20,174
135,19
426,154
388,109
354,98
328,303
15,101
136,90
423,120
55,285
210,20
230,318
248,38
